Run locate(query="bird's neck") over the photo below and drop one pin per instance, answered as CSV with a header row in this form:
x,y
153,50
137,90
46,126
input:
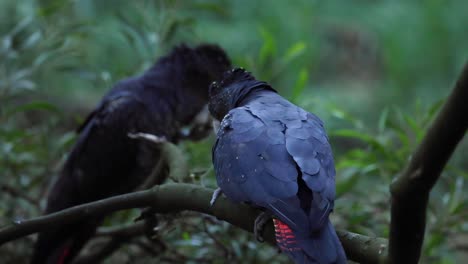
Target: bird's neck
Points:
x,y
253,94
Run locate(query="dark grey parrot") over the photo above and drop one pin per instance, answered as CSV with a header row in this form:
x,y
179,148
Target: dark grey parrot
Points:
x,y
105,161
275,155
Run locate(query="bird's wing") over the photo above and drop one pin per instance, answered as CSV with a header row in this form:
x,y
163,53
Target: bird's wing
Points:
x,y
104,153
260,151
252,162
307,143
103,162
252,165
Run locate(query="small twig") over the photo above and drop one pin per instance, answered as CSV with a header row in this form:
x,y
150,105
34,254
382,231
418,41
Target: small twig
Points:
x,y
150,137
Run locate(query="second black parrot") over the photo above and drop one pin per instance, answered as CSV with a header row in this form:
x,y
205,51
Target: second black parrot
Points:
x,y
105,161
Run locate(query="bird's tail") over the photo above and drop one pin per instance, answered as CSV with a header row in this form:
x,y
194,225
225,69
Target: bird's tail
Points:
x,y
322,247
44,255
62,245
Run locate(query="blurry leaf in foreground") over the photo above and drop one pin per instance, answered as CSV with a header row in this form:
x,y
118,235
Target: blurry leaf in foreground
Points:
x,y
300,84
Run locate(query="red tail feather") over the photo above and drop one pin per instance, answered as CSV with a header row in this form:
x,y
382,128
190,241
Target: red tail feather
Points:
x,y
65,253
285,237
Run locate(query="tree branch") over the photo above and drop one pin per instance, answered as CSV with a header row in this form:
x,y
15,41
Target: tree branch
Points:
x,y
410,191
169,198
22,228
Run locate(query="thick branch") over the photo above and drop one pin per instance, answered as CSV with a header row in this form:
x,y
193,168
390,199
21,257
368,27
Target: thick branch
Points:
x,y
23,228
170,198
363,249
410,192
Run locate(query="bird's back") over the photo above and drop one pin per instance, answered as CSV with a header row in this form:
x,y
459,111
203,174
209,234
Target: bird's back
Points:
x,y
275,155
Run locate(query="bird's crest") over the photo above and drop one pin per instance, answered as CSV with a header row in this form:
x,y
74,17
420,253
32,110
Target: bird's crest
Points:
x,y
232,89
230,77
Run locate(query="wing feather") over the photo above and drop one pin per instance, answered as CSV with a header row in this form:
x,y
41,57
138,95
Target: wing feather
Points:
x,y
255,168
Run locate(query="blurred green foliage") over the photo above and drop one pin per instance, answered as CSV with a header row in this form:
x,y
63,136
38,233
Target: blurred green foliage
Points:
x,y
375,71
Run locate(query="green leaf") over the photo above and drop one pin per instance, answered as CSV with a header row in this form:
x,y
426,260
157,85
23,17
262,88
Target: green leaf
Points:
x,y
268,49
136,38
44,106
214,8
66,140
400,132
348,133
21,74
347,180
382,124
23,85
343,115
300,84
294,51
6,44
185,236
43,57
418,131
433,109
370,140
32,40
456,194
22,25
434,240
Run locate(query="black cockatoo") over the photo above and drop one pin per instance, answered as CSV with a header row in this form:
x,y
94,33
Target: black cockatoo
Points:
x,y
275,155
105,161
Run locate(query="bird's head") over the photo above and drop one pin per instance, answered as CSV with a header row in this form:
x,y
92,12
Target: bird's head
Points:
x,y
190,70
231,90
184,76
213,60
199,66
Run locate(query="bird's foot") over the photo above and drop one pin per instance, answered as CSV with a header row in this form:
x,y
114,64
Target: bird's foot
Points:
x,y
215,196
259,224
149,137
